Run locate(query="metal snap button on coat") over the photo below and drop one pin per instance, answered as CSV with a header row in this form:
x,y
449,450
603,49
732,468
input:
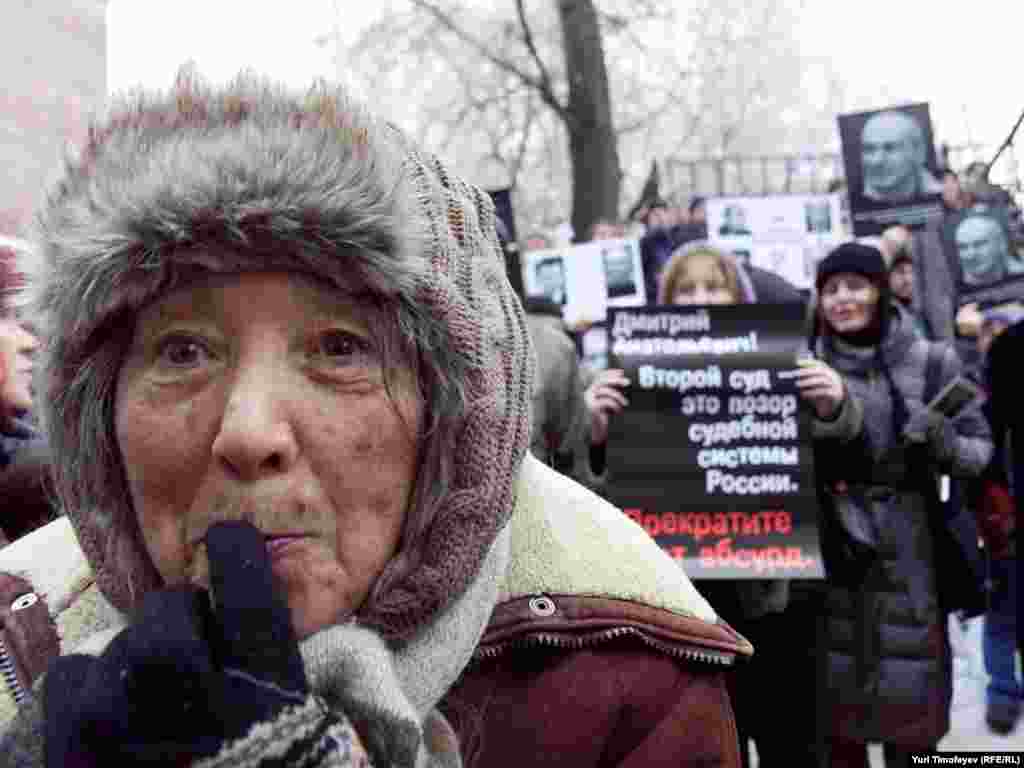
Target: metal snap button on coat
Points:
x,y
542,606
25,601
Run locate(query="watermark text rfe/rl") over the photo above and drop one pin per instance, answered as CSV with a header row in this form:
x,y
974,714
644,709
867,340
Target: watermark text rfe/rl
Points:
x,y
967,758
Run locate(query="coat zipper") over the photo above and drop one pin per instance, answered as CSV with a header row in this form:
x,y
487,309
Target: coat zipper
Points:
x,y
690,653
10,675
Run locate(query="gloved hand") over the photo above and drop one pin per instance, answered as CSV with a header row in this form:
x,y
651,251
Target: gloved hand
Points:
x,y
189,678
935,432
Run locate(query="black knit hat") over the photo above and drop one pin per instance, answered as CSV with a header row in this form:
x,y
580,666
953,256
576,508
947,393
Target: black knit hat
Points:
x,y
853,257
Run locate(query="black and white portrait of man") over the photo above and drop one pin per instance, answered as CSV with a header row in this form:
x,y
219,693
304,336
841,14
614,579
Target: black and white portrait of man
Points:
x,y
734,222
550,276
894,157
984,251
818,217
890,161
618,271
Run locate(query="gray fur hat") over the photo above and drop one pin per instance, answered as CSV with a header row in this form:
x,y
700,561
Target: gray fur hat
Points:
x,y
282,181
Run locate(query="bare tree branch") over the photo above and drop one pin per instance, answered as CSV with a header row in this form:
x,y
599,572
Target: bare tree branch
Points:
x,y
531,46
524,139
542,88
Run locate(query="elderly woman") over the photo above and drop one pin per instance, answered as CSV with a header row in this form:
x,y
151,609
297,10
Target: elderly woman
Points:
x,y
287,385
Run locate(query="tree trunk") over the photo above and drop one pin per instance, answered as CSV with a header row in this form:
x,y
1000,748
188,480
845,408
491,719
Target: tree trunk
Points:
x,y
593,149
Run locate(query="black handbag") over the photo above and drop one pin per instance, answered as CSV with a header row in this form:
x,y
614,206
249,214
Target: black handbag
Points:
x,y
959,561
849,534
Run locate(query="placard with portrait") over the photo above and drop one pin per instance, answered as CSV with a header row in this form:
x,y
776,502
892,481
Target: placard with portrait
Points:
x,y
586,279
891,168
784,234
980,245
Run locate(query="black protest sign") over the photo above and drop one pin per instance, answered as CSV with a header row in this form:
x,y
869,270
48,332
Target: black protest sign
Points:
x,y
889,160
979,244
713,455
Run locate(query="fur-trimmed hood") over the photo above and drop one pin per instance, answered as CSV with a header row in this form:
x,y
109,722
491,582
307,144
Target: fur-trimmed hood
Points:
x,y
252,177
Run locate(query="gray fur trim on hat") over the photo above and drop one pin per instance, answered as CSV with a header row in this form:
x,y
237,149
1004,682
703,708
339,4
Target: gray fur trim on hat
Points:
x,y
252,177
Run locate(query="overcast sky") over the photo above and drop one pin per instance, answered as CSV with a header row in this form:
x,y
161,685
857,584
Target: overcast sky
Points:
x,y
965,59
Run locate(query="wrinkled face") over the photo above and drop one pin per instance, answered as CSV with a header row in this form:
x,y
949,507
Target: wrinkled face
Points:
x,y
848,302
17,347
901,281
982,249
703,282
262,396
889,154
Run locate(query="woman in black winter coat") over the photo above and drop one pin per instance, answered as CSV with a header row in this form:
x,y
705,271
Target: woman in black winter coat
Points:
x,y
888,668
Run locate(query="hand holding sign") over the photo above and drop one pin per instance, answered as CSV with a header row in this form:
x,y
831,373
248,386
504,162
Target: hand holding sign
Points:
x,y
969,320
821,386
603,399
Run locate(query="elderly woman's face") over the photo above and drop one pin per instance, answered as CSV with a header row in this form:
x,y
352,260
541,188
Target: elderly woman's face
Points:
x,y
262,396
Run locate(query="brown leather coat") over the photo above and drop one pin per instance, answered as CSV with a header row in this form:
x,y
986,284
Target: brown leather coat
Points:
x,y
564,680
28,636
557,680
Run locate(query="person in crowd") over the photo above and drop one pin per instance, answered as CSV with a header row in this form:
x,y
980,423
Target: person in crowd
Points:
x,y
605,229
537,241
896,245
894,156
699,273
768,286
23,461
952,191
997,515
571,408
888,665
17,347
657,244
23,455
1007,419
287,387
698,212
765,611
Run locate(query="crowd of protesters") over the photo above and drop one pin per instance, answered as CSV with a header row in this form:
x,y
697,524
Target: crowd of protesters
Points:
x,y
220,383
897,307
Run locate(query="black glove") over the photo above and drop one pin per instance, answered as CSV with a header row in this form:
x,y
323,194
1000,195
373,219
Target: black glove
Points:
x,y
186,678
935,432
